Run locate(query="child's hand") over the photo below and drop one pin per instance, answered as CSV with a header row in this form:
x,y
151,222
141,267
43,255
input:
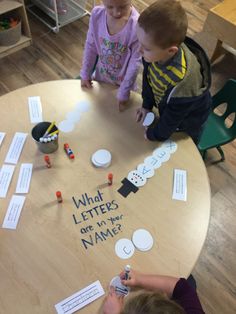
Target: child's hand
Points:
x,y
86,83
113,303
133,280
141,114
145,134
122,104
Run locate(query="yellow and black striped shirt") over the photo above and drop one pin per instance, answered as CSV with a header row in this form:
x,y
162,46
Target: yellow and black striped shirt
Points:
x,y
163,77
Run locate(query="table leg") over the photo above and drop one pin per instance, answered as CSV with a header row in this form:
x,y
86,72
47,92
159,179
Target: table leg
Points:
x,y
219,50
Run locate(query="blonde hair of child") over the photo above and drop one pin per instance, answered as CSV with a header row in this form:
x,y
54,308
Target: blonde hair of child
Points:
x,y
166,23
151,303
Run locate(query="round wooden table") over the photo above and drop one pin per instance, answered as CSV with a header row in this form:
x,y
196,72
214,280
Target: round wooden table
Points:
x,y
45,259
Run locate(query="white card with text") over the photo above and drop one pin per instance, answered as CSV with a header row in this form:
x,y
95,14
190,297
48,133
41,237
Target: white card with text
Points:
x,y
80,299
16,148
13,212
24,178
35,109
180,185
2,135
6,173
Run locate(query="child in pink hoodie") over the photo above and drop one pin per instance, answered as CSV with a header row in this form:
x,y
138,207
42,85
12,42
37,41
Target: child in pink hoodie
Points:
x,y
112,38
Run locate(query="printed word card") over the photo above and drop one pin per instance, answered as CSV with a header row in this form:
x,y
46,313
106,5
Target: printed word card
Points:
x,y
35,109
180,185
13,212
80,299
24,178
2,134
16,148
6,173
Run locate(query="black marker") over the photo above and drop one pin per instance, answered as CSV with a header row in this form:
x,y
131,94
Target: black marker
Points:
x,y
127,270
122,291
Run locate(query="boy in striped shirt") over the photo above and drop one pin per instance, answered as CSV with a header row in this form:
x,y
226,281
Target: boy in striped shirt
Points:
x,y
176,76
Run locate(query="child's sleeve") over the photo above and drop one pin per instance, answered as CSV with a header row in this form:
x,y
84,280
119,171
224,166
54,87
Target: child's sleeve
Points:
x,y
187,297
90,51
147,94
131,73
169,121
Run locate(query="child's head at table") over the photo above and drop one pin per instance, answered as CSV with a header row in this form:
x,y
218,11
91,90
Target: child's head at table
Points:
x,y
117,9
161,29
151,303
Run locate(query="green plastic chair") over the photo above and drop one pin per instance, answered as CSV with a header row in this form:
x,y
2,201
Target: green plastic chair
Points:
x,y
216,133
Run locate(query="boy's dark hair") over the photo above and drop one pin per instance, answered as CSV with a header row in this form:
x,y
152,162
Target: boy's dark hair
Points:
x,y
166,22
152,303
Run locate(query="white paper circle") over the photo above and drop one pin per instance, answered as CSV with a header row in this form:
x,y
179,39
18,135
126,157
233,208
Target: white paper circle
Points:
x,y
120,289
148,119
66,126
73,116
136,178
82,106
124,248
102,157
170,145
96,164
153,162
146,170
142,240
162,154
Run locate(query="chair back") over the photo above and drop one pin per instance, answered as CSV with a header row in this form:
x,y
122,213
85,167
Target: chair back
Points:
x,y
227,95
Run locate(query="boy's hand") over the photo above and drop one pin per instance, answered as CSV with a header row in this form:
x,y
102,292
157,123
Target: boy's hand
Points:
x,y
113,303
86,83
141,114
122,104
134,278
145,134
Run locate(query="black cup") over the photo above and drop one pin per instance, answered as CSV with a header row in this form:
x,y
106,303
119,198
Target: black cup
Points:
x,y
38,131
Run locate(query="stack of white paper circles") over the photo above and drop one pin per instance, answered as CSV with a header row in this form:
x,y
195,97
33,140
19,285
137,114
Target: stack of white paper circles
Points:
x,y
142,240
101,158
